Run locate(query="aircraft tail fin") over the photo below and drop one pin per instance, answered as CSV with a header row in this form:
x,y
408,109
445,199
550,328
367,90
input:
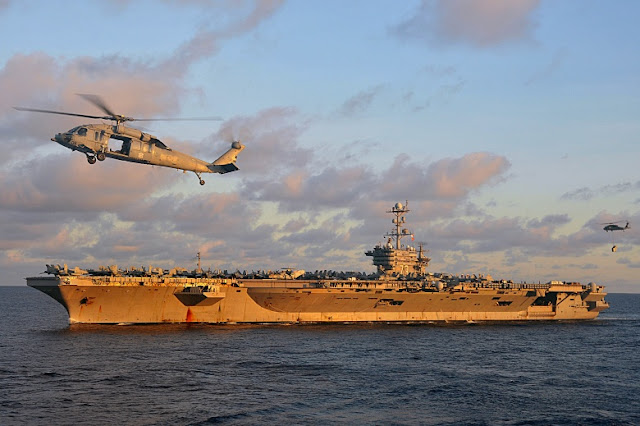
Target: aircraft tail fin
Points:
x,y
227,162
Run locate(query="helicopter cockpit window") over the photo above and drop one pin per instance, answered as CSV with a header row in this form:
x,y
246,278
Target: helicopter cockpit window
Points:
x,y
82,131
159,144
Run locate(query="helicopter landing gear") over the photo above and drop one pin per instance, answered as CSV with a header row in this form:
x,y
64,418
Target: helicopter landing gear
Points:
x,y
199,177
100,156
91,159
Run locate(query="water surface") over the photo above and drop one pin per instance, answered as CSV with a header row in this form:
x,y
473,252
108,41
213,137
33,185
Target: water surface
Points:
x,y
511,374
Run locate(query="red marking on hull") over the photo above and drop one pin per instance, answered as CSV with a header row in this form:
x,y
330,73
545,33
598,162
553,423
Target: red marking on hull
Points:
x,y
190,316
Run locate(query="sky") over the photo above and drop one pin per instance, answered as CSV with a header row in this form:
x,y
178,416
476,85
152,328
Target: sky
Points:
x,y
510,127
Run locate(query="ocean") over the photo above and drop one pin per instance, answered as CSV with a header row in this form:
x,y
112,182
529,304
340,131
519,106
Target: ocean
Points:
x,y
585,373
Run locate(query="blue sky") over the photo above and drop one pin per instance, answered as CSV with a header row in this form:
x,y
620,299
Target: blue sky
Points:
x,y
510,126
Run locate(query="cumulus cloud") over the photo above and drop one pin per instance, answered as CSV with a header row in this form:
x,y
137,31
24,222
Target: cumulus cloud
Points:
x,y
68,183
448,178
64,208
299,190
479,23
518,237
345,186
271,136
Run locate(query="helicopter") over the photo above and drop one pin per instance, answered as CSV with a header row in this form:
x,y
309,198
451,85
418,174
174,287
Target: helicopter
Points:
x,y
613,226
133,145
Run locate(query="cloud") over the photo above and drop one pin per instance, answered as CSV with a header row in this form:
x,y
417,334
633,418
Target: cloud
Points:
x,y
520,239
68,183
271,137
629,263
586,194
553,220
448,178
133,86
60,208
301,191
478,23
456,177
435,188
360,102
241,17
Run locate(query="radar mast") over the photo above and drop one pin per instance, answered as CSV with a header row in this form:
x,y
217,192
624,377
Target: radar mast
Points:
x,y
399,232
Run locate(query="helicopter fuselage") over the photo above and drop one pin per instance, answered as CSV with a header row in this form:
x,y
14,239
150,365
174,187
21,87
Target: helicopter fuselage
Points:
x,y
99,141
615,227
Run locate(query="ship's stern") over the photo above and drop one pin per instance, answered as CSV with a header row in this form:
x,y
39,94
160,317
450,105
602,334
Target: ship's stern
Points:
x,y
594,298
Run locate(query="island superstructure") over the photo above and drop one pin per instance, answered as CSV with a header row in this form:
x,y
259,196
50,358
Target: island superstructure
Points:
x,y
401,291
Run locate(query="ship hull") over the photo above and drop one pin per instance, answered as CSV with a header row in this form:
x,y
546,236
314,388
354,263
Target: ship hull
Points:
x,y
138,301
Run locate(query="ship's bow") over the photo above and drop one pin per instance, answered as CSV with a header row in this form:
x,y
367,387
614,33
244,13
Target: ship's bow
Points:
x,y
49,286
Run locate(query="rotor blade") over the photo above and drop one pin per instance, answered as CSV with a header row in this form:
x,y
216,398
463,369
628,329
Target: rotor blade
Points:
x,y
97,101
180,119
46,111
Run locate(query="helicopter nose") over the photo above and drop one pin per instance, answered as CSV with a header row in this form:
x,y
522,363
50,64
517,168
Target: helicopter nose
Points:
x,y
61,138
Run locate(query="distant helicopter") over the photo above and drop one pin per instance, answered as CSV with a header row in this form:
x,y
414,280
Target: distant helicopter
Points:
x,y
134,145
613,226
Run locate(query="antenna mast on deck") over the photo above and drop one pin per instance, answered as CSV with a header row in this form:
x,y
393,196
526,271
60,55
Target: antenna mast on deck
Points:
x,y
398,233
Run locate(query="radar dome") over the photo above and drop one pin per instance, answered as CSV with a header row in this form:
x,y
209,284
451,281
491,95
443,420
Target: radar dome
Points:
x,y
399,206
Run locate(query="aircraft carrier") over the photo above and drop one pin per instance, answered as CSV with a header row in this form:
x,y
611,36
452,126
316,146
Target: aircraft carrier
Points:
x,y
400,291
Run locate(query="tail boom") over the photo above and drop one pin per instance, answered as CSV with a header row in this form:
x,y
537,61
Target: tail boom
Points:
x,y
227,162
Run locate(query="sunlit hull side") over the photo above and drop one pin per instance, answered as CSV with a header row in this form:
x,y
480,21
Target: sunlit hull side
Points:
x,y
113,300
